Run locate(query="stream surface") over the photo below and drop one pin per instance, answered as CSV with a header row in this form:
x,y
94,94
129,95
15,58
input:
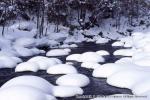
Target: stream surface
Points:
x,y
97,86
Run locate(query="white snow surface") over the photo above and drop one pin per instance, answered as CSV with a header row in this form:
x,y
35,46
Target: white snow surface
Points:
x,y
44,62
78,80
32,81
67,91
103,52
58,52
90,65
24,93
74,57
62,69
27,66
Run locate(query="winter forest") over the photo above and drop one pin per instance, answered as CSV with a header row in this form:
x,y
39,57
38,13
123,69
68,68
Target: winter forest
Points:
x,y
74,49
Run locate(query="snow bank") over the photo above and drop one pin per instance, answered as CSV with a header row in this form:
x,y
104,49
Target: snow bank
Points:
x,y
24,93
67,91
127,78
90,65
91,57
62,69
27,66
102,40
58,52
32,81
78,80
44,62
103,52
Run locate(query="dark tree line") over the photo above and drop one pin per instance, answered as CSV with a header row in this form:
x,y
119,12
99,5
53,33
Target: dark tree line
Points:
x,y
81,14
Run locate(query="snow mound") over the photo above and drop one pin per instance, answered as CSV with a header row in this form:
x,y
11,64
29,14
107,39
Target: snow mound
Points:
x,y
32,81
44,62
124,52
90,65
25,42
117,44
141,87
102,40
103,52
24,93
78,80
58,52
24,52
27,66
124,60
67,91
143,61
69,46
91,57
62,69
74,57
109,69
127,78
8,62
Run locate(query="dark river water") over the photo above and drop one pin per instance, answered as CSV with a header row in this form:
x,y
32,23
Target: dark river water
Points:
x,y
97,86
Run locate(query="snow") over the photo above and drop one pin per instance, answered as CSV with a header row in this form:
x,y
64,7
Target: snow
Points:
x,y
124,60
69,46
78,80
124,52
44,62
58,52
90,65
127,78
8,62
24,93
27,66
74,57
117,43
32,81
25,42
91,57
141,87
102,40
62,69
145,61
103,52
24,52
67,91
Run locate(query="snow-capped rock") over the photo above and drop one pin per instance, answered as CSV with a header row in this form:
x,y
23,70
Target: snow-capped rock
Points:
x,y
8,62
124,52
24,93
78,80
127,78
67,91
32,81
90,65
117,43
91,57
58,52
25,42
62,69
27,66
44,62
103,52
74,57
